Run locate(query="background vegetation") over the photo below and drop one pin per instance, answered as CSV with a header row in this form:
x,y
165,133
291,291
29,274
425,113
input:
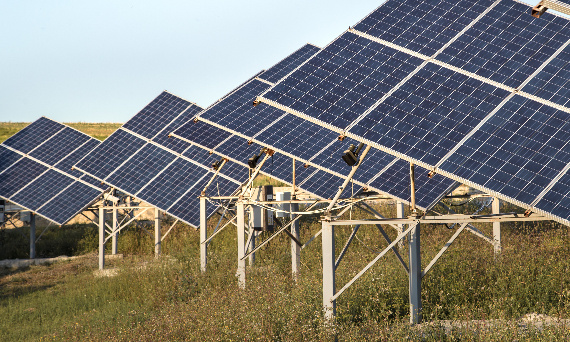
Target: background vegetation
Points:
x,y
97,130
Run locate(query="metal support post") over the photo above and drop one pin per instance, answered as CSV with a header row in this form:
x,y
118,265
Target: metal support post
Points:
x,y
101,238
329,286
251,245
157,239
115,228
32,236
241,243
203,235
415,276
400,214
295,248
495,207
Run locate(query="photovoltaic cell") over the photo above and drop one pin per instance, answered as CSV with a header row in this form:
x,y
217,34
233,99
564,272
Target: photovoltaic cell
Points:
x,y
518,152
157,115
422,26
140,169
33,135
60,146
281,69
553,82
164,190
342,81
458,112
7,158
557,200
26,180
159,170
42,189
430,114
71,202
67,163
120,145
507,45
16,177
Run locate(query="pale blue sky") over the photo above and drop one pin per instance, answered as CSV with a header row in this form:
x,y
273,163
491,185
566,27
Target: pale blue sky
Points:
x,y
102,61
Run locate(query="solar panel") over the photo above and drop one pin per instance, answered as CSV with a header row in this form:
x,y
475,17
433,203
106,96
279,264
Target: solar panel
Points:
x,y
237,149
476,92
36,174
305,141
170,174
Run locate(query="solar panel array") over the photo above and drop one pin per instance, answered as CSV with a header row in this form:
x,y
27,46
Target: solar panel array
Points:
x,y
170,174
36,174
475,90
308,143
237,149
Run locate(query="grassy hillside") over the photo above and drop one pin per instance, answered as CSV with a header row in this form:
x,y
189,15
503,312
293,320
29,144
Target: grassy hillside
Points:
x,y
170,300
96,130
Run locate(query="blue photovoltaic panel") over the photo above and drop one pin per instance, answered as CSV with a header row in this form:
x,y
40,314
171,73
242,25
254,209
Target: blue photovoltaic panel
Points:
x,y
161,170
17,176
281,69
202,133
95,182
239,102
140,169
69,203
164,190
343,80
7,158
463,118
518,152
430,114
176,145
115,150
33,135
67,163
42,189
59,146
157,115
422,26
553,82
188,205
507,45
29,183
557,200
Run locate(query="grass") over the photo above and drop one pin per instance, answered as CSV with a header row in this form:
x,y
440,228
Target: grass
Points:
x,y
97,130
170,300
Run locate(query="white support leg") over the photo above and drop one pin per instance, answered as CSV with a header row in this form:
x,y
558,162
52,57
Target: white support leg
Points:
x,y
241,244
32,236
400,214
251,245
415,276
203,235
496,227
329,286
157,237
295,248
115,227
101,238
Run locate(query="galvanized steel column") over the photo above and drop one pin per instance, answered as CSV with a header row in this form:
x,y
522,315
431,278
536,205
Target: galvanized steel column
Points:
x,y
115,227
496,226
295,248
400,214
32,236
241,243
101,238
203,235
157,237
415,276
329,286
